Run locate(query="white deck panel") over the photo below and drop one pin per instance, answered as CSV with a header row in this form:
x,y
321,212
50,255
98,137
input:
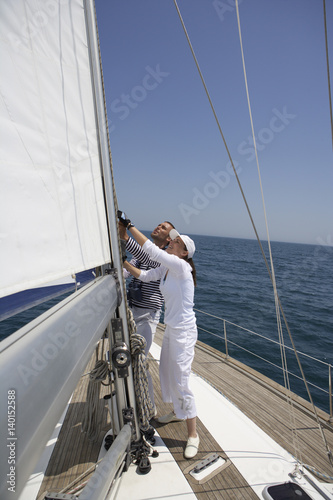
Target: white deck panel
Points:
x,y
259,459
164,481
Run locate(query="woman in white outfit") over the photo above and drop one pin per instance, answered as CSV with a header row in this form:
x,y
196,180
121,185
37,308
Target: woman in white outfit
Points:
x,y
177,275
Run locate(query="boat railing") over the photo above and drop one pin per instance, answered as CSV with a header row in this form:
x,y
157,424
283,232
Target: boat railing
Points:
x,y
226,341
110,468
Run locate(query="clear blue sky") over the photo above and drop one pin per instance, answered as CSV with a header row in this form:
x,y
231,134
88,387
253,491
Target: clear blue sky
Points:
x,y
169,159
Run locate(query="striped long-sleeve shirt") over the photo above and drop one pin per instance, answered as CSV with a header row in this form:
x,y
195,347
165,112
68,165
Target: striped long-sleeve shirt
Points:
x,y
151,295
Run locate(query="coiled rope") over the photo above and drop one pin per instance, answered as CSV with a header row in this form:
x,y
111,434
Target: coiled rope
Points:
x,y
92,417
140,366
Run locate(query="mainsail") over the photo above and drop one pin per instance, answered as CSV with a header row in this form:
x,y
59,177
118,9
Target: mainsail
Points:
x,y
58,219
51,193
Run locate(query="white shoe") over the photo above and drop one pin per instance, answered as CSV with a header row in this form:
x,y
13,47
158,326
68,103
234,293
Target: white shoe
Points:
x,y
170,417
192,446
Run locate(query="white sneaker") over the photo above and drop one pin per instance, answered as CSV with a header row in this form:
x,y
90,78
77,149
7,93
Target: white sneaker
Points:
x,y
192,446
170,417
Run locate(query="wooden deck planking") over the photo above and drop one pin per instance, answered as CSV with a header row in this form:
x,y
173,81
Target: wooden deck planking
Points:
x,y
227,484
74,453
240,385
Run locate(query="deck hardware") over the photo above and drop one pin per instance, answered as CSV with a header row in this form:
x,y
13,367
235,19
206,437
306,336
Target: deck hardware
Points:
x,y
211,465
296,473
144,465
140,452
206,463
128,415
117,330
120,355
290,490
108,441
149,435
121,359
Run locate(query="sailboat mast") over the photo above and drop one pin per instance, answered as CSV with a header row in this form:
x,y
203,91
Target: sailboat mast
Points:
x,y
110,200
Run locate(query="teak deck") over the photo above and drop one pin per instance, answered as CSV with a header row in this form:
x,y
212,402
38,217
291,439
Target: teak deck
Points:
x,y
261,399
74,454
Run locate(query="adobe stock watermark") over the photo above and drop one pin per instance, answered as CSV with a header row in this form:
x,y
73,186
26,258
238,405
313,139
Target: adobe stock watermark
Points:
x,y
220,180
88,311
39,359
126,103
122,107
277,124
224,7
201,199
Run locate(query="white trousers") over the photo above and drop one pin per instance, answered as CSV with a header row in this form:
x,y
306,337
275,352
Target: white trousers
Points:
x,y
146,323
175,368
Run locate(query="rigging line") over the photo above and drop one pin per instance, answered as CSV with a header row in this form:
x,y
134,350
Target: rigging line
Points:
x,y
220,130
277,309
232,164
122,278
329,453
328,70
277,299
224,141
110,156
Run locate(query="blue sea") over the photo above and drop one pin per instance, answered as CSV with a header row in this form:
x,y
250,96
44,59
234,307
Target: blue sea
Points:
x,y
234,285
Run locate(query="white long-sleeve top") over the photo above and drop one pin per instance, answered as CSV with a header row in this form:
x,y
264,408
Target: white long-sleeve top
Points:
x,y
176,286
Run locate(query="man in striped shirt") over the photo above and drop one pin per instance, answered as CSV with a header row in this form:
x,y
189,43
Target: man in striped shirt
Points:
x,y
145,299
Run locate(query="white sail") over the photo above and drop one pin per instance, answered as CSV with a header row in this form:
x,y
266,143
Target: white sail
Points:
x,y
51,194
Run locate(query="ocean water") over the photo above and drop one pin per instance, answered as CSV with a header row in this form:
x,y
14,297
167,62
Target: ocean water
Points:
x,y
233,284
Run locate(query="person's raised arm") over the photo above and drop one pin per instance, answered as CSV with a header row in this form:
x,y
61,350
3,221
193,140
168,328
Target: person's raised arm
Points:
x,y
134,271
150,275
138,236
134,248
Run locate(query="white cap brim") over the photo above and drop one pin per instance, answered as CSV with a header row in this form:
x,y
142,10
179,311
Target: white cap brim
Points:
x,y
188,242
173,234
